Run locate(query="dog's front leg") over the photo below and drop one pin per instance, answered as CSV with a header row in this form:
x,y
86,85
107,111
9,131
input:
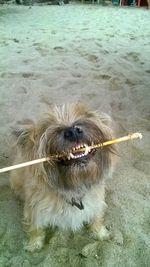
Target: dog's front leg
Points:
x,y
36,239
98,229
35,234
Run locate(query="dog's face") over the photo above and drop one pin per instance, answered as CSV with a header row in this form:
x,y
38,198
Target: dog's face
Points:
x,y
66,129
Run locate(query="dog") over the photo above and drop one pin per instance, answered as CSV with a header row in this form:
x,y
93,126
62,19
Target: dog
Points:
x,y
66,192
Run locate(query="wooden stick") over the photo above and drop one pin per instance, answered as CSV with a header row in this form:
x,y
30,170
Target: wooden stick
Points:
x,y
36,161
25,164
118,140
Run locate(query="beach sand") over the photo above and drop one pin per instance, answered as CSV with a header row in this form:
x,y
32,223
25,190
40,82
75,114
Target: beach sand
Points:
x,y
99,55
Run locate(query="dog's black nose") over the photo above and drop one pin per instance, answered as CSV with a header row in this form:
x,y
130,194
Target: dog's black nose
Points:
x,y
73,133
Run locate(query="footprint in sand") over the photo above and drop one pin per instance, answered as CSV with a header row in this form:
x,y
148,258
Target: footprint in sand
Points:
x,y
129,82
147,71
32,75
133,56
59,48
22,90
92,58
133,38
98,44
3,43
84,29
43,50
102,76
27,75
76,75
110,35
53,32
115,84
15,40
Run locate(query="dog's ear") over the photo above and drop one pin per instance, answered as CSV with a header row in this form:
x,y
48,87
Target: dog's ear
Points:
x,y
24,136
105,118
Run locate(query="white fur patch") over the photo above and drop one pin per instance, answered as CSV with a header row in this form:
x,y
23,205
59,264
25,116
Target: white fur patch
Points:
x,y
49,213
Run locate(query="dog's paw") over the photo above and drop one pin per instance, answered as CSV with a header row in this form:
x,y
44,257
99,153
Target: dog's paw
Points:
x,y
102,234
34,245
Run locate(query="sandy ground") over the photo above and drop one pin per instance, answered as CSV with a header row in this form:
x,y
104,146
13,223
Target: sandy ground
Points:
x,y
99,55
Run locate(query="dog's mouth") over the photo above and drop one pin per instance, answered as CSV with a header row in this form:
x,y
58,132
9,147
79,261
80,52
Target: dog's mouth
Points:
x,y
79,153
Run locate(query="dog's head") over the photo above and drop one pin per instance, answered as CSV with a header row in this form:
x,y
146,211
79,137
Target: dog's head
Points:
x,y
68,128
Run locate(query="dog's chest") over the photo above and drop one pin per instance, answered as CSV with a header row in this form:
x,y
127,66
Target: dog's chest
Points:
x,y
66,216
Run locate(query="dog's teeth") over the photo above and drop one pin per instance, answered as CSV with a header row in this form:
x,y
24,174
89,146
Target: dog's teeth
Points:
x,y
86,150
85,153
92,144
72,156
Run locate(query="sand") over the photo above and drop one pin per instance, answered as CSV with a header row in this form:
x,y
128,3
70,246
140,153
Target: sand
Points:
x,y
99,55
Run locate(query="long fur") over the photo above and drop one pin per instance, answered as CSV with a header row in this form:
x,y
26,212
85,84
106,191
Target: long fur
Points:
x,y
48,188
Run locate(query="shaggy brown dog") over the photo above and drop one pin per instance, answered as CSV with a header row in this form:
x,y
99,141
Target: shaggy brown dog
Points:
x,y
69,191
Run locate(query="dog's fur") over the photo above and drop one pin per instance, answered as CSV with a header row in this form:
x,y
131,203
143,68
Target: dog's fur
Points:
x,y
64,193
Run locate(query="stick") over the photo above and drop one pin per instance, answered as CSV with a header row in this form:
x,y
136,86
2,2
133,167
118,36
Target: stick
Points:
x,y
36,161
25,164
118,140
